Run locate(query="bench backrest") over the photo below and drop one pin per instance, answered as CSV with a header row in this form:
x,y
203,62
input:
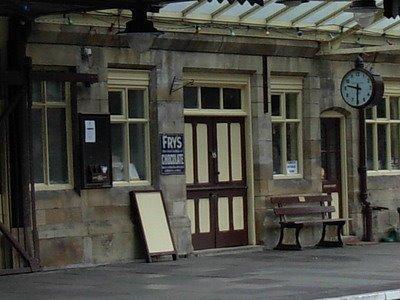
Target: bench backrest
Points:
x,y
303,205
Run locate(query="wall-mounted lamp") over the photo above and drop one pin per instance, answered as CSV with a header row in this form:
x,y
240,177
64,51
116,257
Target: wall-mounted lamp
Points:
x,y
140,32
291,3
364,11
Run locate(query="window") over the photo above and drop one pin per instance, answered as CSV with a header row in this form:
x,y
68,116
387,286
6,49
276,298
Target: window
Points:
x,y
50,128
383,135
128,107
286,133
212,98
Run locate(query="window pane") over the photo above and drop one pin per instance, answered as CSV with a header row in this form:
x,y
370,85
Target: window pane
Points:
x,y
382,142
291,106
55,91
57,135
210,98
276,105
232,98
370,147
190,97
136,103
368,113
277,148
394,108
381,109
37,150
137,143
115,102
37,94
395,146
117,151
292,165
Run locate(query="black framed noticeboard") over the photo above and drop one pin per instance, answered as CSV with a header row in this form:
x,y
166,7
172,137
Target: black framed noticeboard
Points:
x,y
95,151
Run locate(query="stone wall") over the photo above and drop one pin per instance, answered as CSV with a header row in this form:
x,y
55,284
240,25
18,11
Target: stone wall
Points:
x,y
96,227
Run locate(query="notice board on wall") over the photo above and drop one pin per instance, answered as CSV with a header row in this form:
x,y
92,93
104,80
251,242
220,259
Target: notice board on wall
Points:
x,y
172,154
95,151
149,207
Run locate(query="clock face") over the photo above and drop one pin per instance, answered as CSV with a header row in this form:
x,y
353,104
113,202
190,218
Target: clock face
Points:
x,y
357,88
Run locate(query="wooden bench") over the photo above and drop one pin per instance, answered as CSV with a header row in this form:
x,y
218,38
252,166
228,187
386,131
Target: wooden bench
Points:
x,y
292,212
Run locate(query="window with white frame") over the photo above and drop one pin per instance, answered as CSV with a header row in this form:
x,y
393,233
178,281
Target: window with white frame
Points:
x,y
128,107
286,131
51,133
383,135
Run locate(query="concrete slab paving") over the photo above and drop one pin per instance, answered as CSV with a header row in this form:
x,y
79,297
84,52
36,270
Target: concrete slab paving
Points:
x,y
309,274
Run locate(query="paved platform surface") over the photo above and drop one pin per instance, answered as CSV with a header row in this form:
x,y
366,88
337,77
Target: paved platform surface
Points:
x,y
310,274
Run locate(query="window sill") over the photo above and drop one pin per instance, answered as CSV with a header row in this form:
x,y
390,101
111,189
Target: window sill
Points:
x,y
281,176
131,183
383,173
52,187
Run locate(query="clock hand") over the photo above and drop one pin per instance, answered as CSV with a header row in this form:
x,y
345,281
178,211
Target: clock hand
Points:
x,y
358,89
355,87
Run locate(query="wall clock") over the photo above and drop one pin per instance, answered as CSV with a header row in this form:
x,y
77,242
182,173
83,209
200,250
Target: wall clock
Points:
x,y
361,88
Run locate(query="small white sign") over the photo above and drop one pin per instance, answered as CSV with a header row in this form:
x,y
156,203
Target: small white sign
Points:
x,y
291,167
90,131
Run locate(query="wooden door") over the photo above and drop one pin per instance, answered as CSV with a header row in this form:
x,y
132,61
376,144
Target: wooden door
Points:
x,y
216,181
331,161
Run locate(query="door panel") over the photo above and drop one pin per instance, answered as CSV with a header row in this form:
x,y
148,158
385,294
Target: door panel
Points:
x,y
202,153
331,162
217,207
223,152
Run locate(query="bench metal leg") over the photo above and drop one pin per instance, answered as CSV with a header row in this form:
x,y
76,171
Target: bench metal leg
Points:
x,y
332,244
281,245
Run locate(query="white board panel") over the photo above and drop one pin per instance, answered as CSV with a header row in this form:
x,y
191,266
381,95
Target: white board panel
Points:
x,y
154,222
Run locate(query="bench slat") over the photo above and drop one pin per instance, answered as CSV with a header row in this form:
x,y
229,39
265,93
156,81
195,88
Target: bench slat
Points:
x,y
310,210
296,199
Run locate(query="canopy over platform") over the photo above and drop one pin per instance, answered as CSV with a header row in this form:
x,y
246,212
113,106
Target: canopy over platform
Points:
x,y
323,16
36,8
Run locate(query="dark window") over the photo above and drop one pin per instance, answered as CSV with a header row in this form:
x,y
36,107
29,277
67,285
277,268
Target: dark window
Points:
x,y
232,98
276,105
190,97
210,98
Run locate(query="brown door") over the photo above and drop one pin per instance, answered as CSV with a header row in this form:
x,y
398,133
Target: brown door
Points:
x,y
216,181
330,160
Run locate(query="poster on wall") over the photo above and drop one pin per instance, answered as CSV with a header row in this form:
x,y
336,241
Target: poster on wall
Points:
x,y
292,167
172,155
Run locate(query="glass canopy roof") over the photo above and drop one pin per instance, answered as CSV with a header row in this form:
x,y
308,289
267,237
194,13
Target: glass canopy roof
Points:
x,y
327,16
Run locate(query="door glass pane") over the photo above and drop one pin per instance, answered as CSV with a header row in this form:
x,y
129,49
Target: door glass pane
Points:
x,y
277,147
370,147
291,106
137,143
394,108
210,98
37,94
395,146
190,97
117,151
382,142
136,103
292,165
232,99
276,105
381,109
57,135
37,150
115,102
55,91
